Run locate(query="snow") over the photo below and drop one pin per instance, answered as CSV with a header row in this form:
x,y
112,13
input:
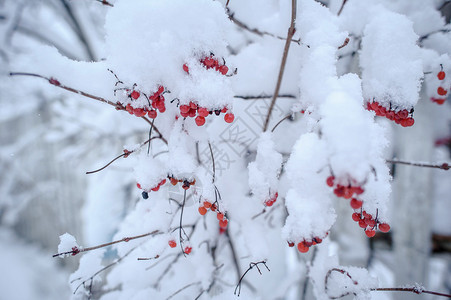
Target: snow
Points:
x,y
67,244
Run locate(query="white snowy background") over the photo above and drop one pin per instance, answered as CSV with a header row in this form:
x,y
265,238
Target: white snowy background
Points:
x,y
346,64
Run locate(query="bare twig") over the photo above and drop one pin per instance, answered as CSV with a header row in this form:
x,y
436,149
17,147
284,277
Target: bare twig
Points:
x,y
443,166
183,288
346,41
278,123
125,239
104,2
290,34
264,97
260,32
414,290
251,266
125,155
342,6
213,160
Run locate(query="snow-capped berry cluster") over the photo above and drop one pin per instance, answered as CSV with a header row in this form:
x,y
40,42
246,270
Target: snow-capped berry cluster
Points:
x,y
271,200
344,191
402,117
211,62
305,245
151,108
206,205
145,193
441,91
185,182
370,224
191,109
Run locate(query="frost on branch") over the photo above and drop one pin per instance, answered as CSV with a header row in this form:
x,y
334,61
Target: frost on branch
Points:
x,y
264,171
68,245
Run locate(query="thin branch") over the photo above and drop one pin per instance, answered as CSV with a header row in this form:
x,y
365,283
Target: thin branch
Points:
x,y
264,96
415,289
260,32
341,8
125,155
104,2
234,255
183,288
101,270
345,43
251,266
290,34
443,166
125,239
55,82
213,160
284,118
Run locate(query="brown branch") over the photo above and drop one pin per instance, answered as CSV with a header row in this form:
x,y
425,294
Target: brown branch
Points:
x,y
75,251
346,42
264,97
260,32
415,289
55,82
342,6
251,266
290,34
183,288
443,166
278,123
104,2
125,155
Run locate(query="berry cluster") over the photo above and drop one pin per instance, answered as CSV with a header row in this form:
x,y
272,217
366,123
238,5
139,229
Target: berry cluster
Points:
x,y
145,194
185,182
191,109
220,216
344,191
304,246
367,222
210,62
271,200
157,103
401,117
441,91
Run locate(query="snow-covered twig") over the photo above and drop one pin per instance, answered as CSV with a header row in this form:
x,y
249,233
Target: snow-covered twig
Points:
x,y
125,239
443,166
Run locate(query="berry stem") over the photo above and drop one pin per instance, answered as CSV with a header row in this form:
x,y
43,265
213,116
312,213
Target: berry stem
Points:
x,y
443,166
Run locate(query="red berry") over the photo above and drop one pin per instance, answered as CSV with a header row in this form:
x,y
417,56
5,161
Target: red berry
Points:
x,y
184,109
330,181
223,223
302,247
162,182
441,91
224,110
192,113
362,223
192,105
202,111
438,101
220,216
138,185
155,189
409,122
174,181
160,90
139,112
200,120
172,244
356,204
441,75
185,68
384,227
202,210
356,217
403,114
290,244
152,114
370,233
135,95
370,222
223,69
188,250
214,207
229,117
